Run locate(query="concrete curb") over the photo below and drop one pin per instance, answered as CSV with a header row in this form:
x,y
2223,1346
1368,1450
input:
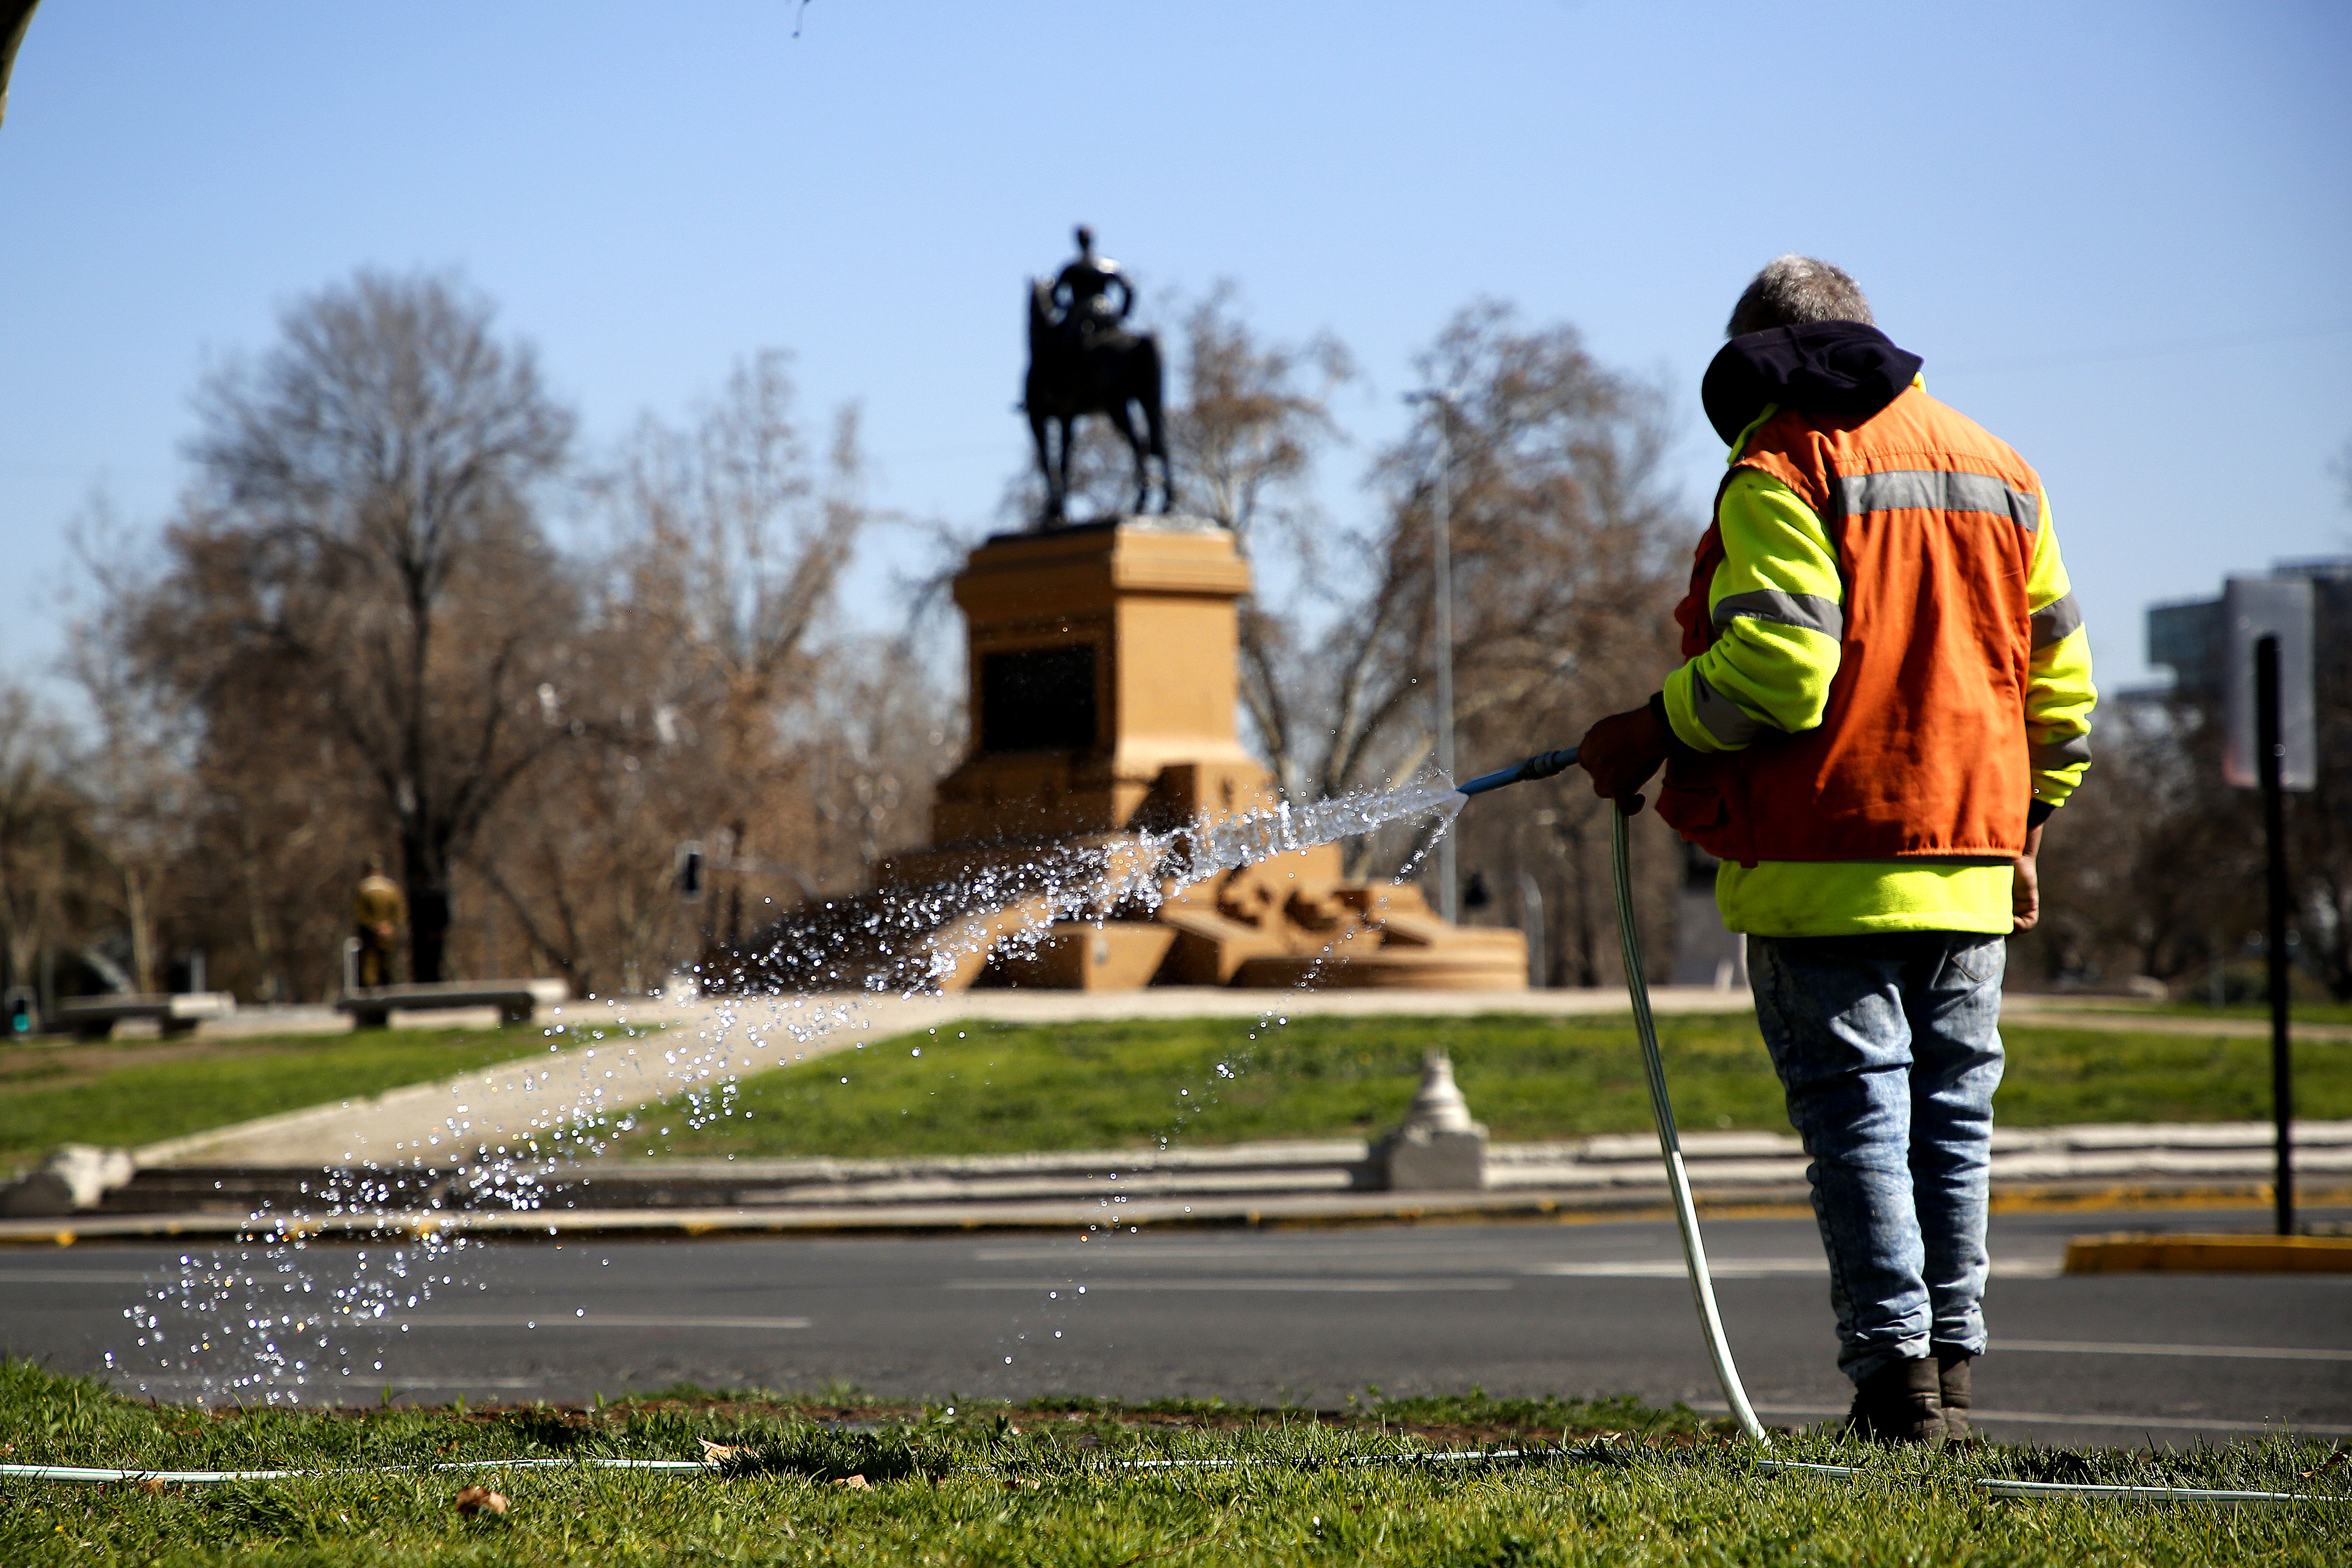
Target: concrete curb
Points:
x,y
1105,1212
2180,1254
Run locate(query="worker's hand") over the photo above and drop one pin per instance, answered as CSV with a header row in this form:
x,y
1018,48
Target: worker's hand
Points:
x,y
1622,751
2025,886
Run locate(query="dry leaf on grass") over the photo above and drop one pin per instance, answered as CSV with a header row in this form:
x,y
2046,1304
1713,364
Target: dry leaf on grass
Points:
x,y
714,1452
480,1500
854,1483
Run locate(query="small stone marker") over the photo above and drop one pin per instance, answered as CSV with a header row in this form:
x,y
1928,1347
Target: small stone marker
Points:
x,y
1438,1148
77,1176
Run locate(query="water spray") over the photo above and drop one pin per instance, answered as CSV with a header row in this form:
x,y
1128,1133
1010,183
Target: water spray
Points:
x,y
1543,765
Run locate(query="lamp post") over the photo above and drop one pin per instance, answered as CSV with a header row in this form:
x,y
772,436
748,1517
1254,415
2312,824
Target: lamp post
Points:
x,y
1449,892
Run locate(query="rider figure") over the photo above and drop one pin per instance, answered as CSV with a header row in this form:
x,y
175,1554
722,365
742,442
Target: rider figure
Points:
x,y
1082,290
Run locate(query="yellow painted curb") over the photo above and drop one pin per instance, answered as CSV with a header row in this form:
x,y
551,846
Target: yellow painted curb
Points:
x,y
2126,1252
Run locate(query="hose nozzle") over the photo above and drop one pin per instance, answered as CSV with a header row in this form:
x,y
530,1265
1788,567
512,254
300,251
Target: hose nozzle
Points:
x,y
1542,765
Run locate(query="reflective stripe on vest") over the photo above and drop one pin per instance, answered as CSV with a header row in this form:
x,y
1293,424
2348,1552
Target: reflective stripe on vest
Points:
x,y
1933,490
1811,611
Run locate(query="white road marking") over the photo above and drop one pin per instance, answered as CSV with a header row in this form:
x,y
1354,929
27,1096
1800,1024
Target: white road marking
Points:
x,y
1672,1268
2227,1352
370,1382
566,1320
1336,1285
1751,1268
1240,1253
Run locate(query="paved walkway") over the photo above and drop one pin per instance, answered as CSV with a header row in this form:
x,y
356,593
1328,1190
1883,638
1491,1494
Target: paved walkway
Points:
x,y
604,1060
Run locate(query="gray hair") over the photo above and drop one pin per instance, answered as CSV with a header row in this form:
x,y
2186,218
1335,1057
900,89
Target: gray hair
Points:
x,y
1794,289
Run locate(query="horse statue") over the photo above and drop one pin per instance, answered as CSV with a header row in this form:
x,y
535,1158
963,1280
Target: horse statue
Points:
x,y
1083,360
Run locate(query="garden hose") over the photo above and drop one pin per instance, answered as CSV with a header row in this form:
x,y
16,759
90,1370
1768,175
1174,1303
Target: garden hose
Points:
x,y
103,1474
1543,765
1662,1112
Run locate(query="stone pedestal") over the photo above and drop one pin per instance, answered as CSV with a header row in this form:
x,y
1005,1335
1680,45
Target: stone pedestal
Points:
x,y
1105,676
1105,682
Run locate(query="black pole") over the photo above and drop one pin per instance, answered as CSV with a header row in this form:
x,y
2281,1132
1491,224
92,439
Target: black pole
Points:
x,y
2267,761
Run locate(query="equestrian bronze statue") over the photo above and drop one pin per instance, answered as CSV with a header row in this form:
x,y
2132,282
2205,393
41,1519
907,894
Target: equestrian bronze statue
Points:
x,y
1084,358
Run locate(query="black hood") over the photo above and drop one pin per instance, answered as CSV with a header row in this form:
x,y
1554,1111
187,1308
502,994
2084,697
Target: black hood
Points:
x,y
1822,367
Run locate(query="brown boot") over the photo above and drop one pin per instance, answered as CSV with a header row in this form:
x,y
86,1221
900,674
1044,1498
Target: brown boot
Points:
x,y
1900,1404
1952,1375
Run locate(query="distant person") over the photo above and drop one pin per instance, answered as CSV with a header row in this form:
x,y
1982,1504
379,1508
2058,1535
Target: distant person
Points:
x,y
378,910
1886,692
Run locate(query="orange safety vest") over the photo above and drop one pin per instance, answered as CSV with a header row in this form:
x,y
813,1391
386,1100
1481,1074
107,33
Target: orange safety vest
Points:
x,y
1922,748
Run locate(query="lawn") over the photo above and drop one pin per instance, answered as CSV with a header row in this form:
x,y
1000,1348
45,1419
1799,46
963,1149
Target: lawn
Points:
x,y
1050,1483
129,1093
2333,1013
981,1087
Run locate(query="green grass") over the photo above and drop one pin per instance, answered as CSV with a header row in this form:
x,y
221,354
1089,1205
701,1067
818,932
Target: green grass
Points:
x,y
980,1088
136,1092
1040,1484
2250,1011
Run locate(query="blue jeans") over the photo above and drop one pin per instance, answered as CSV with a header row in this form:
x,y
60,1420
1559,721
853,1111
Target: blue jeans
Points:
x,y
1889,1048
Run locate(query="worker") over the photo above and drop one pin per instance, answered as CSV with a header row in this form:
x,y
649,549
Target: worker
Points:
x,y
1886,690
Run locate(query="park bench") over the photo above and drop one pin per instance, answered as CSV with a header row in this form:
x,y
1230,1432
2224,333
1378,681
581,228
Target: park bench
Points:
x,y
371,1007
94,1017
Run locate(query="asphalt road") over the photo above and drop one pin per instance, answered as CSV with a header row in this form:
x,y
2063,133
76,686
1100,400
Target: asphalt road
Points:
x,y
1307,1317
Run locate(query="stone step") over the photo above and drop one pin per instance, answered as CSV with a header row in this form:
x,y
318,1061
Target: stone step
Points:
x,y
1722,1162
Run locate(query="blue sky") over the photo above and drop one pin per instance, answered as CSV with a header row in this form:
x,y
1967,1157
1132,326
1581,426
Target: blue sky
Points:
x,y
2118,233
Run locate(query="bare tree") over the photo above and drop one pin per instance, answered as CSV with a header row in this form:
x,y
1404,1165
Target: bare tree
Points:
x,y
1255,419
45,841
1563,541
879,734
134,771
364,559
1253,416
702,653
